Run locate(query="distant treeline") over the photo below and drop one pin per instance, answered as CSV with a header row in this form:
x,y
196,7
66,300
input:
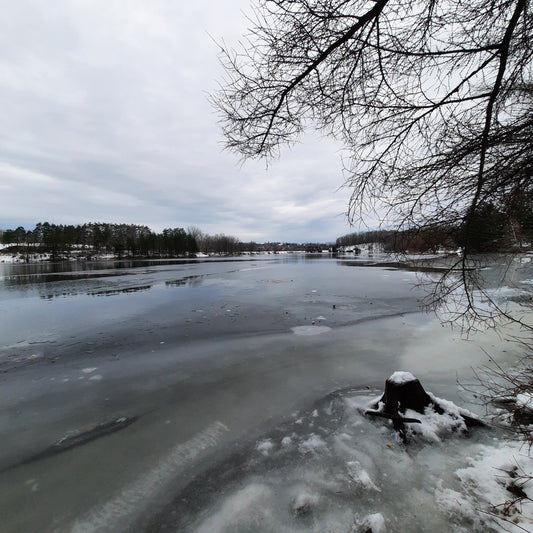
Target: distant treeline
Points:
x,y
121,240
403,241
131,240
489,231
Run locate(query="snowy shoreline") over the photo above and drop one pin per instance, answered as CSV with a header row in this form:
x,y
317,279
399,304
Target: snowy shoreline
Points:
x,y
331,468
35,258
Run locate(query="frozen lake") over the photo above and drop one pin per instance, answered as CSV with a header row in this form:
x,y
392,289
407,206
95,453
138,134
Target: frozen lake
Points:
x,y
211,395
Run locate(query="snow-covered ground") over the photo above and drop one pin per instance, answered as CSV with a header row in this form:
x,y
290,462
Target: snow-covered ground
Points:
x,y
22,258
37,258
334,469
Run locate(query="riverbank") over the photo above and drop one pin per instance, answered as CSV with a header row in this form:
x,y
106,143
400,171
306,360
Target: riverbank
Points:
x,y
83,257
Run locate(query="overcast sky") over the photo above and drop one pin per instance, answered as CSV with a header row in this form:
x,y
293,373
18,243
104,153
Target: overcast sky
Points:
x,y
105,118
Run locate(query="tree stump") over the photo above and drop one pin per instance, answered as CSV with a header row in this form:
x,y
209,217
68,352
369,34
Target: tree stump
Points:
x,y
404,391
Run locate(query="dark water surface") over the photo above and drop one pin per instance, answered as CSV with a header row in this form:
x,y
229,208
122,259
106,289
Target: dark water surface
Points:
x,y
122,381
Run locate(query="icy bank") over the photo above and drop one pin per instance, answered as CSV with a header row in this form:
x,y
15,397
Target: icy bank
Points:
x,y
334,469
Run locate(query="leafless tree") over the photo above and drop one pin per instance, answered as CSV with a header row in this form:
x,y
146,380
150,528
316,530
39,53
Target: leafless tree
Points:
x,y
432,99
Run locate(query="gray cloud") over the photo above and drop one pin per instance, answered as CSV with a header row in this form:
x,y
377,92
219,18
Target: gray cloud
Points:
x,y
105,117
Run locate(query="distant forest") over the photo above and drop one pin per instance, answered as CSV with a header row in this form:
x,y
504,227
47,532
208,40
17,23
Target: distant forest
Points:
x,y
131,240
118,239
490,231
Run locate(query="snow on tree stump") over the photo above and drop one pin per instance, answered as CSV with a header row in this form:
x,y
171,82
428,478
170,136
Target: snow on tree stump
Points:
x,y
403,391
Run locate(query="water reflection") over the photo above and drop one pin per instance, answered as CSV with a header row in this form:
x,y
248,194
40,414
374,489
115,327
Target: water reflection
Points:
x,y
31,279
48,291
397,265
107,292
187,281
84,269
110,278
23,273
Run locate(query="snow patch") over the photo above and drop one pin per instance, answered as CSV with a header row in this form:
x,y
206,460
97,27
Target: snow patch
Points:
x,y
453,503
244,510
286,441
525,401
310,330
304,503
434,426
313,444
373,522
360,477
265,447
493,470
399,378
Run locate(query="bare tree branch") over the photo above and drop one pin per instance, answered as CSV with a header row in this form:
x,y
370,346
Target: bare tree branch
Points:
x,y
432,100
